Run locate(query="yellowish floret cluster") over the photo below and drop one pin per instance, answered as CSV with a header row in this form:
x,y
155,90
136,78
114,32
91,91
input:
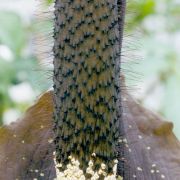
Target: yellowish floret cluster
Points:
x,y
73,171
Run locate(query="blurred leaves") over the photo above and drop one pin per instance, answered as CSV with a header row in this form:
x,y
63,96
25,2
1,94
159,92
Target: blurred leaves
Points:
x,y
50,1
138,10
12,32
17,61
159,24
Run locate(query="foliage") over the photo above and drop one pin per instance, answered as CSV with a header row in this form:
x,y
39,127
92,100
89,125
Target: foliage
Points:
x,y
160,43
17,64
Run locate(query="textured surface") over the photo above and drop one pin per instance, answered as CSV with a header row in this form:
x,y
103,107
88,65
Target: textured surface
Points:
x,y
26,148
86,72
154,151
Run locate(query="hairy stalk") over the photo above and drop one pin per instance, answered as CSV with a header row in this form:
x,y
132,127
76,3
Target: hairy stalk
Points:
x,y
87,114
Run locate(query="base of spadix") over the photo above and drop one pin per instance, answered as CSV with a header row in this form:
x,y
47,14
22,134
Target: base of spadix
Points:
x,y
73,171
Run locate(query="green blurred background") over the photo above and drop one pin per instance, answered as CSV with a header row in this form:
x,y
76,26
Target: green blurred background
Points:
x,y
152,40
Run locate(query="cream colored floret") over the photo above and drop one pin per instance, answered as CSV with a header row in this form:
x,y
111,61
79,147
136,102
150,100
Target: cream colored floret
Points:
x,y
73,171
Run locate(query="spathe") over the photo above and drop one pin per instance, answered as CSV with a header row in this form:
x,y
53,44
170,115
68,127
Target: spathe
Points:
x,y
151,150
